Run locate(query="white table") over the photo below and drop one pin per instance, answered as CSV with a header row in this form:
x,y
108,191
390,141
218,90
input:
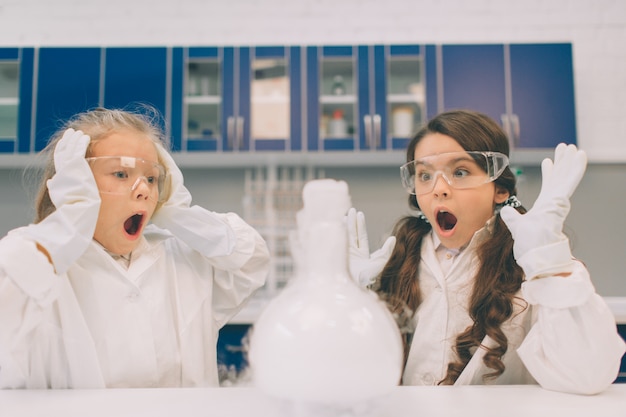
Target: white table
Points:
x,y
467,401
255,306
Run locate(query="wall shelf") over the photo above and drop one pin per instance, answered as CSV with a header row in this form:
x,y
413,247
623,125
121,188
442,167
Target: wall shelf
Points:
x,y
522,157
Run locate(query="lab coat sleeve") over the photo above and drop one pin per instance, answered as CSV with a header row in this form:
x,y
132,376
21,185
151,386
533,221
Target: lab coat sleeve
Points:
x,y
237,253
573,345
28,286
239,274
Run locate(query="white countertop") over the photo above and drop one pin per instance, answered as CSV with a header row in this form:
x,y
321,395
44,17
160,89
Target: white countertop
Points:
x,y
256,305
466,401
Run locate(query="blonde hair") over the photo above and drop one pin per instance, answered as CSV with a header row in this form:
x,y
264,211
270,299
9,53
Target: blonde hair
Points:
x,y
98,124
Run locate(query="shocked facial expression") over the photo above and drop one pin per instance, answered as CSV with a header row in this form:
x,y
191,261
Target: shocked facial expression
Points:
x,y
455,214
123,215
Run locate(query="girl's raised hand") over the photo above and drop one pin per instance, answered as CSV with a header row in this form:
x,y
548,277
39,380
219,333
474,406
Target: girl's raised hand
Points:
x,y
365,267
542,226
66,233
201,229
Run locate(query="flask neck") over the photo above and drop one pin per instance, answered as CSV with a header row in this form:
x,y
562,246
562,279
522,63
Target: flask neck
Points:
x,y
326,250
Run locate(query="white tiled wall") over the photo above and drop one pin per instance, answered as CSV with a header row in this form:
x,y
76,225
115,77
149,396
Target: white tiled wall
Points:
x,y
597,29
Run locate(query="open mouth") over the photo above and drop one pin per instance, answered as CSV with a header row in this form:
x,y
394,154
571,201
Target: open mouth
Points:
x,y
446,220
132,225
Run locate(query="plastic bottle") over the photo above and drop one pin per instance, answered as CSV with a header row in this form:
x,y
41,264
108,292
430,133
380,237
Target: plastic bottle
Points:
x,y
323,339
402,121
337,127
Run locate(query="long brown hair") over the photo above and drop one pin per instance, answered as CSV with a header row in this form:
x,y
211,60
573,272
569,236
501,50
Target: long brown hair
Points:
x,y
498,277
98,124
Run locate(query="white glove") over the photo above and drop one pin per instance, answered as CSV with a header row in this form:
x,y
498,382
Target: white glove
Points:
x,y
540,247
365,267
66,233
199,228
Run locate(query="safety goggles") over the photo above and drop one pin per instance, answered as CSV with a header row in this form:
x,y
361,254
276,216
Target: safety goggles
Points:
x,y
461,170
122,175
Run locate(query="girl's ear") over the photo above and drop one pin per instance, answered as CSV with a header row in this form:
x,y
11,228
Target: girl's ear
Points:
x,y
501,195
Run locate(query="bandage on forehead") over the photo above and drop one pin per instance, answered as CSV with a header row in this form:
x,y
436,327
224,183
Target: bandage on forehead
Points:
x,y
128,161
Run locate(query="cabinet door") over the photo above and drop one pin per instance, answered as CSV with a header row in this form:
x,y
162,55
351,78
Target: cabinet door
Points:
x,y
434,105
529,88
403,74
239,99
135,76
16,95
236,99
332,85
372,91
369,97
275,99
391,98
68,83
473,77
198,85
9,98
542,90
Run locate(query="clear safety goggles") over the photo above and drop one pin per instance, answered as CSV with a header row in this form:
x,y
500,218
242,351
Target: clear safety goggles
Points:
x,y
122,175
461,170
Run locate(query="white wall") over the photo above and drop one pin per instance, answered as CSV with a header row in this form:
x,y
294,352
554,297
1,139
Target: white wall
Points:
x,y
597,29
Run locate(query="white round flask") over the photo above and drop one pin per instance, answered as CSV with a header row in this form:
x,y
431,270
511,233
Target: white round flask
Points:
x,y
324,339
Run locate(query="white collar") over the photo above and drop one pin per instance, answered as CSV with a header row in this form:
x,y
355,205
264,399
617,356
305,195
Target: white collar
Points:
x,y
125,259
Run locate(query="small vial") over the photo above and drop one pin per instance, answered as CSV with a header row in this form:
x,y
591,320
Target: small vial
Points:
x,y
339,87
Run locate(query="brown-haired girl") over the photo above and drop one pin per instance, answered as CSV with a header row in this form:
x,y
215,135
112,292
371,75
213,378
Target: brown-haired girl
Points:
x,y
493,293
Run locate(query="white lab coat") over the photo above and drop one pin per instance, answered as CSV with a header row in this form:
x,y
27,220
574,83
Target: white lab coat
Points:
x,y
562,335
102,325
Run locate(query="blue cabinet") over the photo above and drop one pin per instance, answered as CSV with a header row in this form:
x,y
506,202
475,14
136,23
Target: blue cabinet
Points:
x,y
197,98
238,99
72,80
473,77
402,71
542,95
136,76
68,82
332,107
529,88
364,98
275,100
